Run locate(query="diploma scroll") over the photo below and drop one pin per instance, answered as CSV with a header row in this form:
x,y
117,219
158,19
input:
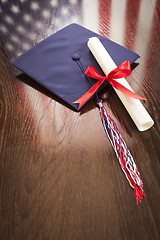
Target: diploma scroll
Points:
x,y
138,113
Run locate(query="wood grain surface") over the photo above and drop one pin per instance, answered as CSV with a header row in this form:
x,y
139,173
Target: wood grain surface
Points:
x,y
59,176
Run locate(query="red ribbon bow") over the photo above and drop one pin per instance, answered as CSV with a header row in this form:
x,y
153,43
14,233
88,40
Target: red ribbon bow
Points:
x,y
122,71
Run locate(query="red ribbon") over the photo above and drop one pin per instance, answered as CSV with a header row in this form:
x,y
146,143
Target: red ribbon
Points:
x,y
122,71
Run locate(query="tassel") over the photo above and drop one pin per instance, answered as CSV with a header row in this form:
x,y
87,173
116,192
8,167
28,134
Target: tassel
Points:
x,y
123,154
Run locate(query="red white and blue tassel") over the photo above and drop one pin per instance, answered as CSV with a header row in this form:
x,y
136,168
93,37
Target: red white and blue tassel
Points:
x,y
123,154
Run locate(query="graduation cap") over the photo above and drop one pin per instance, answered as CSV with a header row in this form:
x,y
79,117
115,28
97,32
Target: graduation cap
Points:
x,y
59,62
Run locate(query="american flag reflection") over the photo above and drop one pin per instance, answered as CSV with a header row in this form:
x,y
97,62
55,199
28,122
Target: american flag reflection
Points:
x,y
25,22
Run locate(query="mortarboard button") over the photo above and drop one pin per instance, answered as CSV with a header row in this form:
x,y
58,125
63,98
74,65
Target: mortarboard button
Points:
x,y
76,56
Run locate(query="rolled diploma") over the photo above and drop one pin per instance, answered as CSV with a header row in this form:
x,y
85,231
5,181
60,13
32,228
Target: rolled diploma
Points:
x,y
138,113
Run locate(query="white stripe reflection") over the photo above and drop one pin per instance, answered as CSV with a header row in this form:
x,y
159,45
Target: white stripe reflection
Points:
x,y
118,12
90,14
144,31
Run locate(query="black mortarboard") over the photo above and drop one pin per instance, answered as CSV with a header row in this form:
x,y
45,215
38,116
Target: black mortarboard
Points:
x,y
58,62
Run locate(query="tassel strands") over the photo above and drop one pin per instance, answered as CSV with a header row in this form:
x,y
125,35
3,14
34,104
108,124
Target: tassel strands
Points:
x,y
123,154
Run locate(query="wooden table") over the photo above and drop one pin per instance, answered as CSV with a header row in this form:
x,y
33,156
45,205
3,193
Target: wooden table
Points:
x,y
59,176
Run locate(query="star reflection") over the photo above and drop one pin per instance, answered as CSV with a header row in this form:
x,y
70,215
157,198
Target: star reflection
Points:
x,y
25,22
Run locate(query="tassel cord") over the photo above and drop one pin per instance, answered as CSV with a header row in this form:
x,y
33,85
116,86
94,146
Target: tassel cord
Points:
x,y
123,154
